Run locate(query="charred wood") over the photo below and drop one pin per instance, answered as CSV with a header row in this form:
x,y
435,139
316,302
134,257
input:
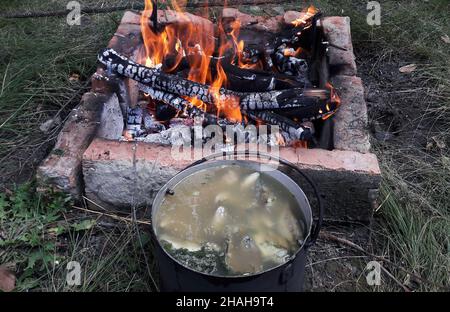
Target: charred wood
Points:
x,y
298,35
171,84
290,127
182,105
238,79
290,65
257,80
165,112
326,138
314,108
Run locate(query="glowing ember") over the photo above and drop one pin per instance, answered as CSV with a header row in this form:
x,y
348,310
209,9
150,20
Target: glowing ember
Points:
x,y
292,52
305,16
335,102
239,47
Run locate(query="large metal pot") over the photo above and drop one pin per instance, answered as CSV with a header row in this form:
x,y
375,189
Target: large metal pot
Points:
x,y
175,276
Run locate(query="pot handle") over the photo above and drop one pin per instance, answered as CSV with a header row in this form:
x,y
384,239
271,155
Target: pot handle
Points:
x,y
316,228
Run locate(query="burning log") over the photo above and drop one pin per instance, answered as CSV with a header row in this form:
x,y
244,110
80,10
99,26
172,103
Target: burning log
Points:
x,y
134,121
245,80
253,80
240,79
295,35
158,80
289,64
294,130
183,105
317,109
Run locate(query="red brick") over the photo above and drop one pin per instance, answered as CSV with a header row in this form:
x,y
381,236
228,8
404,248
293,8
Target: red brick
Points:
x,y
291,16
61,169
131,18
261,23
101,149
235,14
337,32
339,161
346,179
350,121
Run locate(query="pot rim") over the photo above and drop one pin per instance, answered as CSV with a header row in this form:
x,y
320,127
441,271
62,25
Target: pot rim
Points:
x,y
274,173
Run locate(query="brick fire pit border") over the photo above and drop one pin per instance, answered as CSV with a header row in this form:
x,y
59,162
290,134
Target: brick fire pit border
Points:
x,y
117,174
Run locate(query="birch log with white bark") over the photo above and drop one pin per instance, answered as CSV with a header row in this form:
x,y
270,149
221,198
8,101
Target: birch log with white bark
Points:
x,y
156,79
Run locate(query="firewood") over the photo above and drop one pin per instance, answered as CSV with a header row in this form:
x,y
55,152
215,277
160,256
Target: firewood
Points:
x,y
253,80
288,127
183,105
290,65
238,79
158,80
294,130
316,109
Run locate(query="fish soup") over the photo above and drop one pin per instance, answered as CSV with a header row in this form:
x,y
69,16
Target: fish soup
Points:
x,y
229,221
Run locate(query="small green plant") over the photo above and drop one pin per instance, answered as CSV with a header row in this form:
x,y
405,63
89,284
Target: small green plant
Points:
x,y
40,235
29,227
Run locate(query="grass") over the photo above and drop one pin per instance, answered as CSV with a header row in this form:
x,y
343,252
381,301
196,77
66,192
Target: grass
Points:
x,y
44,69
41,235
413,219
415,210
38,60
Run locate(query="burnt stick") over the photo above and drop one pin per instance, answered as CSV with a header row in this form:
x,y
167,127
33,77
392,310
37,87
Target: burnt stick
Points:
x,y
315,113
181,104
240,79
251,80
294,130
157,79
315,110
293,34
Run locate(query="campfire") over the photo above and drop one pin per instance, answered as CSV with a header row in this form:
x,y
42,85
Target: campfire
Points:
x,y
191,72
171,78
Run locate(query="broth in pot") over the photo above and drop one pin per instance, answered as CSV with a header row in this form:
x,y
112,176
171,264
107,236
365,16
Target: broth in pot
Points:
x,y
229,221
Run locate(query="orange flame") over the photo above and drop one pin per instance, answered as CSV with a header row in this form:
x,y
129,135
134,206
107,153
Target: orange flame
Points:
x,y
177,40
239,46
158,45
153,48
335,101
230,107
292,52
196,42
305,16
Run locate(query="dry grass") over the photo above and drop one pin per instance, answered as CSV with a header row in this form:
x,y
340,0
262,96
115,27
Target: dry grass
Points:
x,y
39,63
